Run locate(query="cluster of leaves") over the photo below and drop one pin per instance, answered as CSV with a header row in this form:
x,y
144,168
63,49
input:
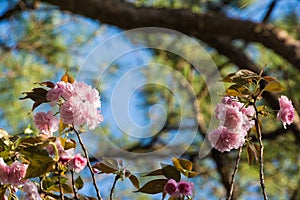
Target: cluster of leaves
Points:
x,y
31,150
180,166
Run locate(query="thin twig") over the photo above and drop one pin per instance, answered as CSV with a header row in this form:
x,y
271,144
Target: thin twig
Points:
x,y
261,157
236,167
61,194
88,164
113,187
73,185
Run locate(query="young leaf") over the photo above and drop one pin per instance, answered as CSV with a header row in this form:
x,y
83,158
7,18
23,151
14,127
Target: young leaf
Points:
x,y
269,78
274,86
170,172
135,182
182,164
185,167
79,183
67,78
154,186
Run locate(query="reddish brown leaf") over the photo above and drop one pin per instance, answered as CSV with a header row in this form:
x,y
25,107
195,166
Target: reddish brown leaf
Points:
x,y
135,182
48,84
38,95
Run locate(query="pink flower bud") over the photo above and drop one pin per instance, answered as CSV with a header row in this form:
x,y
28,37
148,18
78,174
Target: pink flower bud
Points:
x,y
185,188
171,187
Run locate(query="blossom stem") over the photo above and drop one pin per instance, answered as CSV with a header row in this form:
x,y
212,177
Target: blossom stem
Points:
x,y
229,197
73,185
261,157
88,164
61,194
113,187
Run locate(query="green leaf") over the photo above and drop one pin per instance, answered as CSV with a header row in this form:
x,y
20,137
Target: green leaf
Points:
x,y
135,182
170,172
79,183
65,188
157,172
154,186
68,144
38,168
274,86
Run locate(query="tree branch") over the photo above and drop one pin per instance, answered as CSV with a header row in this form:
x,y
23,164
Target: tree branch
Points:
x,y
128,16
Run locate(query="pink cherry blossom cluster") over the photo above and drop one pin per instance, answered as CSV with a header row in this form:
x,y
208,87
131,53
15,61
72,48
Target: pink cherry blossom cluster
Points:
x,y
46,123
79,103
235,121
286,112
179,189
68,157
31,191
13,174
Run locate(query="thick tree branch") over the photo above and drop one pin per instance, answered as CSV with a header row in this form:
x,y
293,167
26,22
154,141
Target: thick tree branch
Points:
x,y
127,16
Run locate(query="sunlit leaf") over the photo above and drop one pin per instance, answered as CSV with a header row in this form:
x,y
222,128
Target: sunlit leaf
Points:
x,y
67,78
62,126
3,133
70,144
185,167
274,86
181,163
154,186
79,183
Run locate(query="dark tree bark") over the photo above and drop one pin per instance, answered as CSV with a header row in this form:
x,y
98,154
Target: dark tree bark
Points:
x,y
127,16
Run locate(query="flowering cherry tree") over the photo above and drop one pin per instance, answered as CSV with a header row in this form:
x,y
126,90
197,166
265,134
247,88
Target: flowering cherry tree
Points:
x,y
50,155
